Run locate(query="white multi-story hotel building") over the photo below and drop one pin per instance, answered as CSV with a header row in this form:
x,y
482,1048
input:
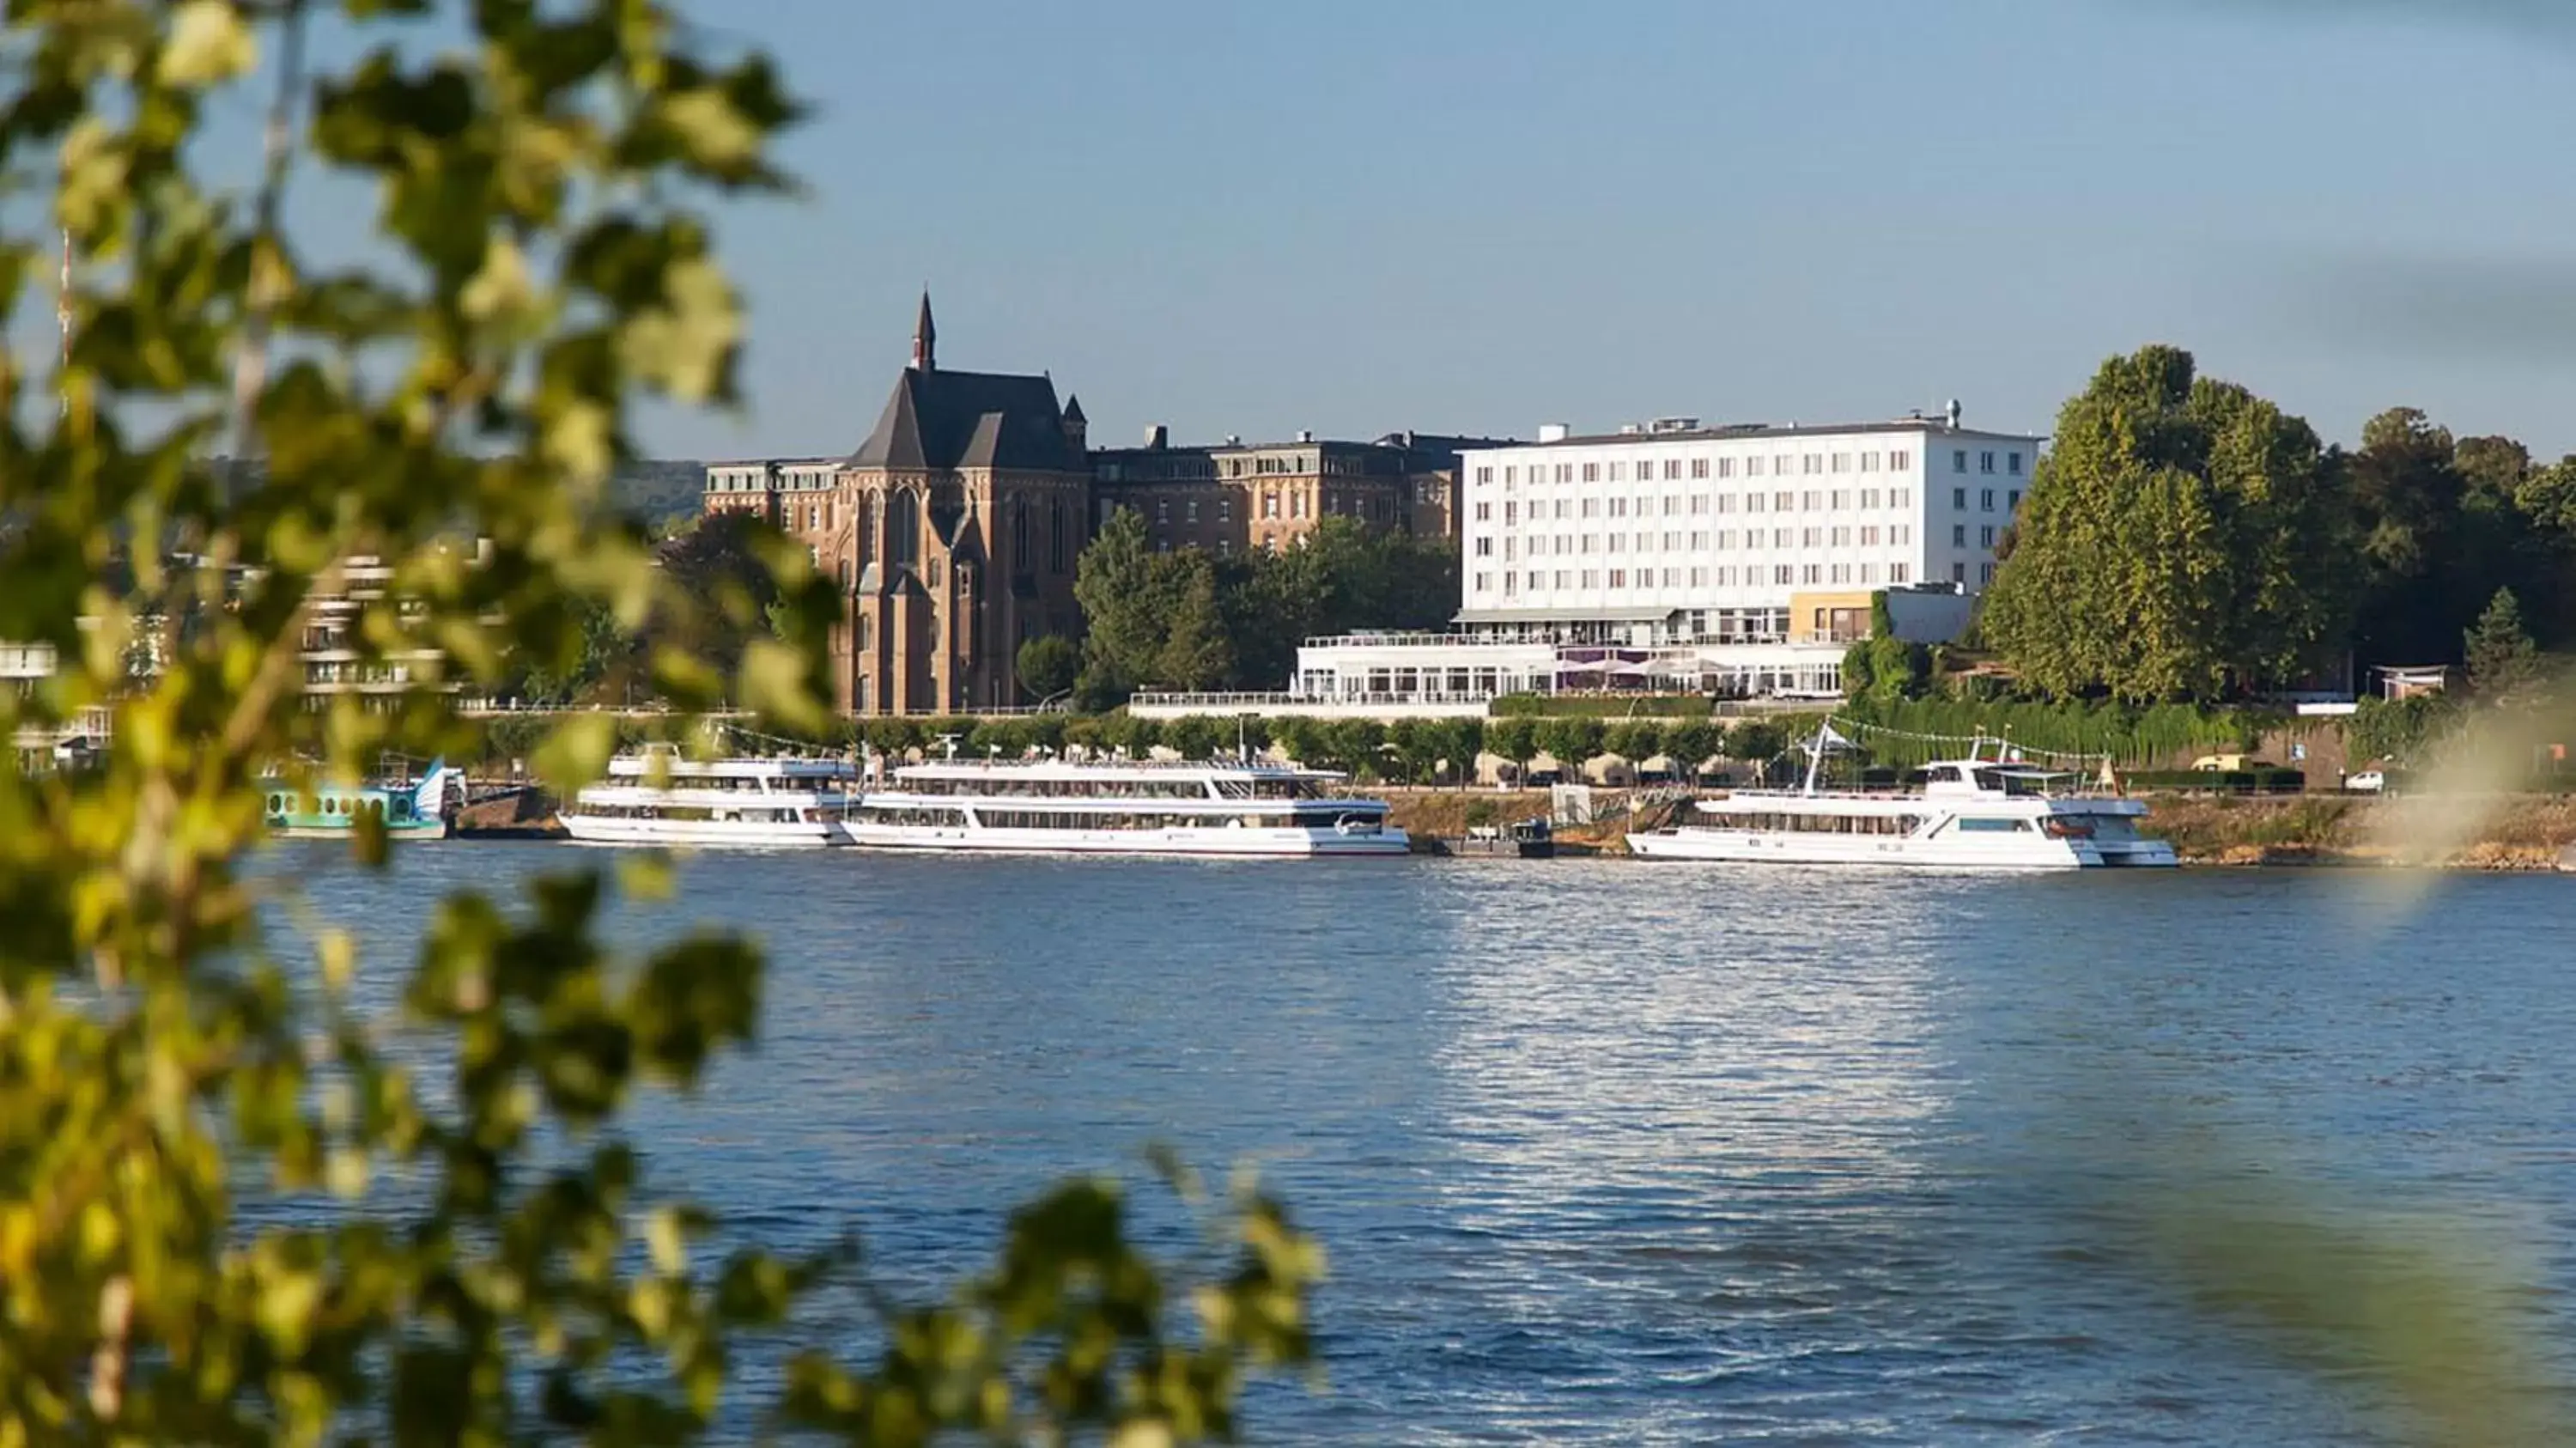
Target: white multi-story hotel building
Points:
x,y
1740,560
1711,534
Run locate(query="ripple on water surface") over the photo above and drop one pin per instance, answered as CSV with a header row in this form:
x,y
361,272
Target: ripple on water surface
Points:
x,y
1614,1153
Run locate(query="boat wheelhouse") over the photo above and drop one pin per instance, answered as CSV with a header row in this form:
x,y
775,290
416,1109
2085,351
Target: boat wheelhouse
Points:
x,y
326,811
1973,813
1124,807
659,798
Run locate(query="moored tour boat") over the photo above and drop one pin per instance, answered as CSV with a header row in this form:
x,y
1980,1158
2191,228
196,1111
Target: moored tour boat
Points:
x,y
1123,807
1971,813
325,811
659,798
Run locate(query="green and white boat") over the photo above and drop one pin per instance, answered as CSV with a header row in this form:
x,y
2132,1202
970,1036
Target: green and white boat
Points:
x,y
415,812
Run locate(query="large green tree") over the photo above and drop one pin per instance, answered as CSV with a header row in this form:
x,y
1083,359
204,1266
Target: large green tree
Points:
x,y
269,1183
2183,538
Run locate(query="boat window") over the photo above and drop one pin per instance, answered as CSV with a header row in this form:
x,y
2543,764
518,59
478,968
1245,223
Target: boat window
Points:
x,y
1976,825
277,804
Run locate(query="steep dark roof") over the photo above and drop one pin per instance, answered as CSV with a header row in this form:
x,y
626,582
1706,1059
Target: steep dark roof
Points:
x,y
1073,409
937,421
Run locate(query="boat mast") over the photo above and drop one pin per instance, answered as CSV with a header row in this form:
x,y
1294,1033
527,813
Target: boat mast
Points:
x,y
1816,754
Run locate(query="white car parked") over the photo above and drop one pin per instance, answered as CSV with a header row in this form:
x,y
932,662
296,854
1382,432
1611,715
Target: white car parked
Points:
x,y
2369,781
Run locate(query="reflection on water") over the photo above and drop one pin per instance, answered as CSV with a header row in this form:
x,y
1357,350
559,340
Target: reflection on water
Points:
x,y
1614,1153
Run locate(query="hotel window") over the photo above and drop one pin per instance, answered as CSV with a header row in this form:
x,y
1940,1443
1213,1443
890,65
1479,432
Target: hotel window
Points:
x,y
1618,578
1842,500
1672,469
1869,497
1725,539
1699,578
1561,577
1811,500
1814,463
1671,578
1986,500
1869,537
1592,507
1537,581
1815,573
1699,504
1645,542
1986,537
1842,462
1869,573
1672,541
1784,502
1985,573
1163,510
1869,462
1591,472
1958,500
1958,535
1699,467
1564,544
1565,472
1899,572
1587,542
1842,573
1726,467
1618,507
1985,462
1591,578
1753,502
1511,514
2012,501
2012,464
1618,542
1901,533
1511,550
1783,573
1484,512
1783,538
1270,507
1900,497
1511,476
1811,538
1899,460
1672,504
1958,573
1225,510
1484,547
1192,510
1842,538
1959,461
1699,542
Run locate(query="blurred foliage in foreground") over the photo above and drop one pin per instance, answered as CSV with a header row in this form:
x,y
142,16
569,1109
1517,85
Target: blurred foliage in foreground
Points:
x,y
447,410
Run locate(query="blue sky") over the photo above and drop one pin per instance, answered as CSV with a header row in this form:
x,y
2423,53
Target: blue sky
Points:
x,y
1481,215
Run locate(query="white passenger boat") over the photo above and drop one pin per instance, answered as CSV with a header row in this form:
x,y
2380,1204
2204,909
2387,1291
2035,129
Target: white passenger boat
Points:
x,y
658,798
1124,807
1972,813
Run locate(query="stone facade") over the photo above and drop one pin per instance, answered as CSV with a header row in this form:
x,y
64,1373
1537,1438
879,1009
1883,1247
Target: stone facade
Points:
x,y
953,532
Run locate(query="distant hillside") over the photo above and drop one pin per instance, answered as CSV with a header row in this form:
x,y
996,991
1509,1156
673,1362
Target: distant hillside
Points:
x,y
658,489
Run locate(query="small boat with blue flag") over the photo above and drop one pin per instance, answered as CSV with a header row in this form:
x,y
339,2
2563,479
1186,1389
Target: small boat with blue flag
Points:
x,y
416,811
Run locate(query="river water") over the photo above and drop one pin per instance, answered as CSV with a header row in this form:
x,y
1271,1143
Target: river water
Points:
x,y
1612,1153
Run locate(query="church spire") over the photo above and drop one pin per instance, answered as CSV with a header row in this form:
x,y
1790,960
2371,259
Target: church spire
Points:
x,y
925,339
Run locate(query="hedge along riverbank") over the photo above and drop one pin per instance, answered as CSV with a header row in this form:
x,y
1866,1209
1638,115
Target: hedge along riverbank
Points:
x,y
1602,706
2132,737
